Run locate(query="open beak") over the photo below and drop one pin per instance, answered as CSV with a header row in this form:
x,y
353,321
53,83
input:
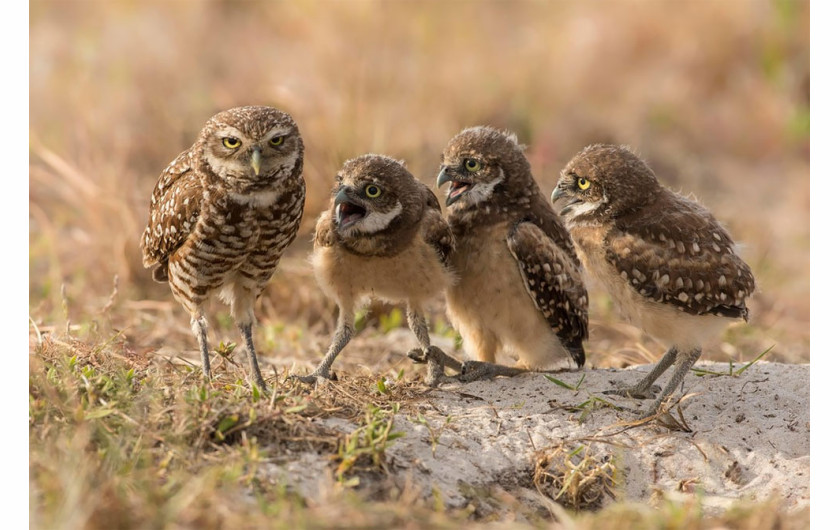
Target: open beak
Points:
x,y
456,187
256,158
347,211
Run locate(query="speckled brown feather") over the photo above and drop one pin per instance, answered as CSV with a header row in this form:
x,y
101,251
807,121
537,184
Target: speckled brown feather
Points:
x,y
670,249
554,283
689,259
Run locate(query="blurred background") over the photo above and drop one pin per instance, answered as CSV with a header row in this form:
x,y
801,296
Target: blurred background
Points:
x,y
714,95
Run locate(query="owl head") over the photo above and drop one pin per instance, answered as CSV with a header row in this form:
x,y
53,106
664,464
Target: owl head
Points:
x,y
604,181
484,165
252,149
375,195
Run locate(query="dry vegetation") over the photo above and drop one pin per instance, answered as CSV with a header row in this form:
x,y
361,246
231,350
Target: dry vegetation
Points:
x,y
714,95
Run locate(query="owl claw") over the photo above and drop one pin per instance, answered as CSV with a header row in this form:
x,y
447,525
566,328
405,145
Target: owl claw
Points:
x,y
631,392
313,379
418,356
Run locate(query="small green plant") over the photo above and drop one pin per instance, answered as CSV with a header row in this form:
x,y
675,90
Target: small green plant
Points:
x,y
359,320
364,448
391,321
434,433
567,386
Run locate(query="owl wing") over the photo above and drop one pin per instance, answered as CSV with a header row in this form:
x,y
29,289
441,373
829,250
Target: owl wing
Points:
x,y
435,229
683,258
173,212
552,277
324,234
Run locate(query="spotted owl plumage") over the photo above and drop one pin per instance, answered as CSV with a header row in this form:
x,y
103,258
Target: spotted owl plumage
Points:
x,y
668,264
519,285
223,212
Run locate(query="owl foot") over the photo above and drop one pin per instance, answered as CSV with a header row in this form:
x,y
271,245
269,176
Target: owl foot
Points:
x,y
314,378
478,370
437,360
633,392
422,356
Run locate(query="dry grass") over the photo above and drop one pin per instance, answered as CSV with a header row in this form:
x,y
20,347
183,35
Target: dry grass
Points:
x,y
715,95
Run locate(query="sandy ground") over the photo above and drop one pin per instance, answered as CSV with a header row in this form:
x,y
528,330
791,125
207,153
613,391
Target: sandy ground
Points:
x,y
749,438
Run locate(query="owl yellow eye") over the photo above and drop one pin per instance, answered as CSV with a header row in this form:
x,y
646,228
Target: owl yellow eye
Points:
x,y
231,143
373,191
277,140
583,183
472,165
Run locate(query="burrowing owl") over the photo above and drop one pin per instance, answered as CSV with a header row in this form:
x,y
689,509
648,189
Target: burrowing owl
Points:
x,y
384,236
519,282
223,212
668,265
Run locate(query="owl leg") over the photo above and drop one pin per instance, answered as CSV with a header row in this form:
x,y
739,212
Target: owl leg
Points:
x,y
199,328
242,310
684,362
642,389
344,331
436,359
245,330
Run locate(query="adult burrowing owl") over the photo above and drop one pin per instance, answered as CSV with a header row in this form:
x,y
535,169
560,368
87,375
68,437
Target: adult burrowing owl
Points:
x,y
519,282
223,212
384,236
668,265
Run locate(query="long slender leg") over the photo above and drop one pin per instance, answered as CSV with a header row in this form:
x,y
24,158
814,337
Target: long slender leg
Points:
x,y
243,300
436,359
199,328
684,362
641,390
343,333
245,330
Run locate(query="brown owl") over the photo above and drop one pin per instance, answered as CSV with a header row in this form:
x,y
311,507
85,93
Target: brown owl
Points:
x,y
519,282
223,212
669,266
383,236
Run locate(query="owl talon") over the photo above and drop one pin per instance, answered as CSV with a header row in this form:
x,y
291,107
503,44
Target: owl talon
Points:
x,y
418,356
478,370
633,393
314,379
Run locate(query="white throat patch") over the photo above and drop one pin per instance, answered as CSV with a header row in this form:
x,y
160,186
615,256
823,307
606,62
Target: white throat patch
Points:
x,y
481,192
258,199
582,208
376,221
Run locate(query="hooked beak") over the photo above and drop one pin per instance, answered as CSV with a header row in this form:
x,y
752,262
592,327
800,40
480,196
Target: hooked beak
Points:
x,y
443,177
347,212
556,194
456,188
256,158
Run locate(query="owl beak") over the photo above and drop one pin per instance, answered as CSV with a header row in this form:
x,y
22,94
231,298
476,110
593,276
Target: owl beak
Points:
x,y
256,158
347,212
443,177
456,187
556,194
